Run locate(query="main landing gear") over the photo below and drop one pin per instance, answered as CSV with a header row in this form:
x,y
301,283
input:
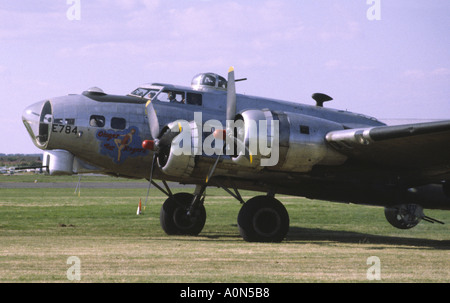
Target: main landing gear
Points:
x,y
176,219
261,219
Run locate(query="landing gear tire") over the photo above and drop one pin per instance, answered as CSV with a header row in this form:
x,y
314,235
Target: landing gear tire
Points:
x,y
404,216
263,219
174,217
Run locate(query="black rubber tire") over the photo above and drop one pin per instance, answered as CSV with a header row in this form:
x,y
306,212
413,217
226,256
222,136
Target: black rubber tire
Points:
x,y
174,219
263,219
394,217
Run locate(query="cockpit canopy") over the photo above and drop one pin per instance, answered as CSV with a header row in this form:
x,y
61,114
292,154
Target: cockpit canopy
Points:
x,y
207,81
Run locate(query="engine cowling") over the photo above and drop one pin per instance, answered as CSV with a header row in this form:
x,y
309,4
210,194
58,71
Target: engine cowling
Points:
x,y
178,158
286,141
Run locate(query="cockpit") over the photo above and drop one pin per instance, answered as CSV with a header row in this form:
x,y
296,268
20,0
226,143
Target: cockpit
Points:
x,y
207,81
182,95
168,93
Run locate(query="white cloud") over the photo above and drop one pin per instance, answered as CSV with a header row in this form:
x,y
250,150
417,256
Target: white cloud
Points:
x,y
442,71
420,74
135,4
349,31
18,25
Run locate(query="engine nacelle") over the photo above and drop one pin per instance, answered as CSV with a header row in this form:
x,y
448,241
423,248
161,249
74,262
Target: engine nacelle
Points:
x,y
286,141
178,159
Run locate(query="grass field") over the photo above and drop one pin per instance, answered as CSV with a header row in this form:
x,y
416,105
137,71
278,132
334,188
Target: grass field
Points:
x,y
40,228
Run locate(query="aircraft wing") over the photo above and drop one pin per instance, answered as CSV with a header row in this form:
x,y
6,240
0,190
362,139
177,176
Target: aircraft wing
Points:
x,y
421,146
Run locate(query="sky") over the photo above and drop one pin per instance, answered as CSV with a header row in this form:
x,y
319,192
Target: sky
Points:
x,y
384,58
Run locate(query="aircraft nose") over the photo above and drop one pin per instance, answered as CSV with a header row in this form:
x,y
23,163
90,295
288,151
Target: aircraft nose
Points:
x,y
37,119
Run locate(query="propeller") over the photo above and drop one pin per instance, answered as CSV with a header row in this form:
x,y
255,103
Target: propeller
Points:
x,y
161,139
230,115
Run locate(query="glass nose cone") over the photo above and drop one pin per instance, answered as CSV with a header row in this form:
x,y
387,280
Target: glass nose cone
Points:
x,y
37,119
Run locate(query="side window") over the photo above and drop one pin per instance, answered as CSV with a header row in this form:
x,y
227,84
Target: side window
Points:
x,y
172,96
194,99
97,121
118,123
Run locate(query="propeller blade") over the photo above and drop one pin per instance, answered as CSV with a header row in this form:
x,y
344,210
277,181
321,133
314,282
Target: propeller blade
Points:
x,y
152,119
231,95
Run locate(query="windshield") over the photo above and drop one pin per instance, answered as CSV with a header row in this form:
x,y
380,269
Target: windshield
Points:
x,y
147,93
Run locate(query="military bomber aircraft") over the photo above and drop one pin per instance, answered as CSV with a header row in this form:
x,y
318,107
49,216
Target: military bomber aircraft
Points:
x,y
208,135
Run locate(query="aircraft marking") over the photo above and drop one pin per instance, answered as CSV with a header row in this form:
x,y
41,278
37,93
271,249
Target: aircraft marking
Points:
x,y
120,145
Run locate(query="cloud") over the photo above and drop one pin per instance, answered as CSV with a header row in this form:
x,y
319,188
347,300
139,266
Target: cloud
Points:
x,y
420,74
349,31
131,4
207,34
442,71
334,64
18,25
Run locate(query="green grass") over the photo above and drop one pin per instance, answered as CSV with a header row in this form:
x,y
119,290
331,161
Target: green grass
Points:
x,y
328,242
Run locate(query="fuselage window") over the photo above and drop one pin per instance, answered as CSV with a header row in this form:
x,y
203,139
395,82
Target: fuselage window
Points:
x,y
194,99
304,129
118,123
97,121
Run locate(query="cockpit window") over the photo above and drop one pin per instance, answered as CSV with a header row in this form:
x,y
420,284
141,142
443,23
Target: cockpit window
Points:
x,y
140,92
172,96
147,93
151,94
